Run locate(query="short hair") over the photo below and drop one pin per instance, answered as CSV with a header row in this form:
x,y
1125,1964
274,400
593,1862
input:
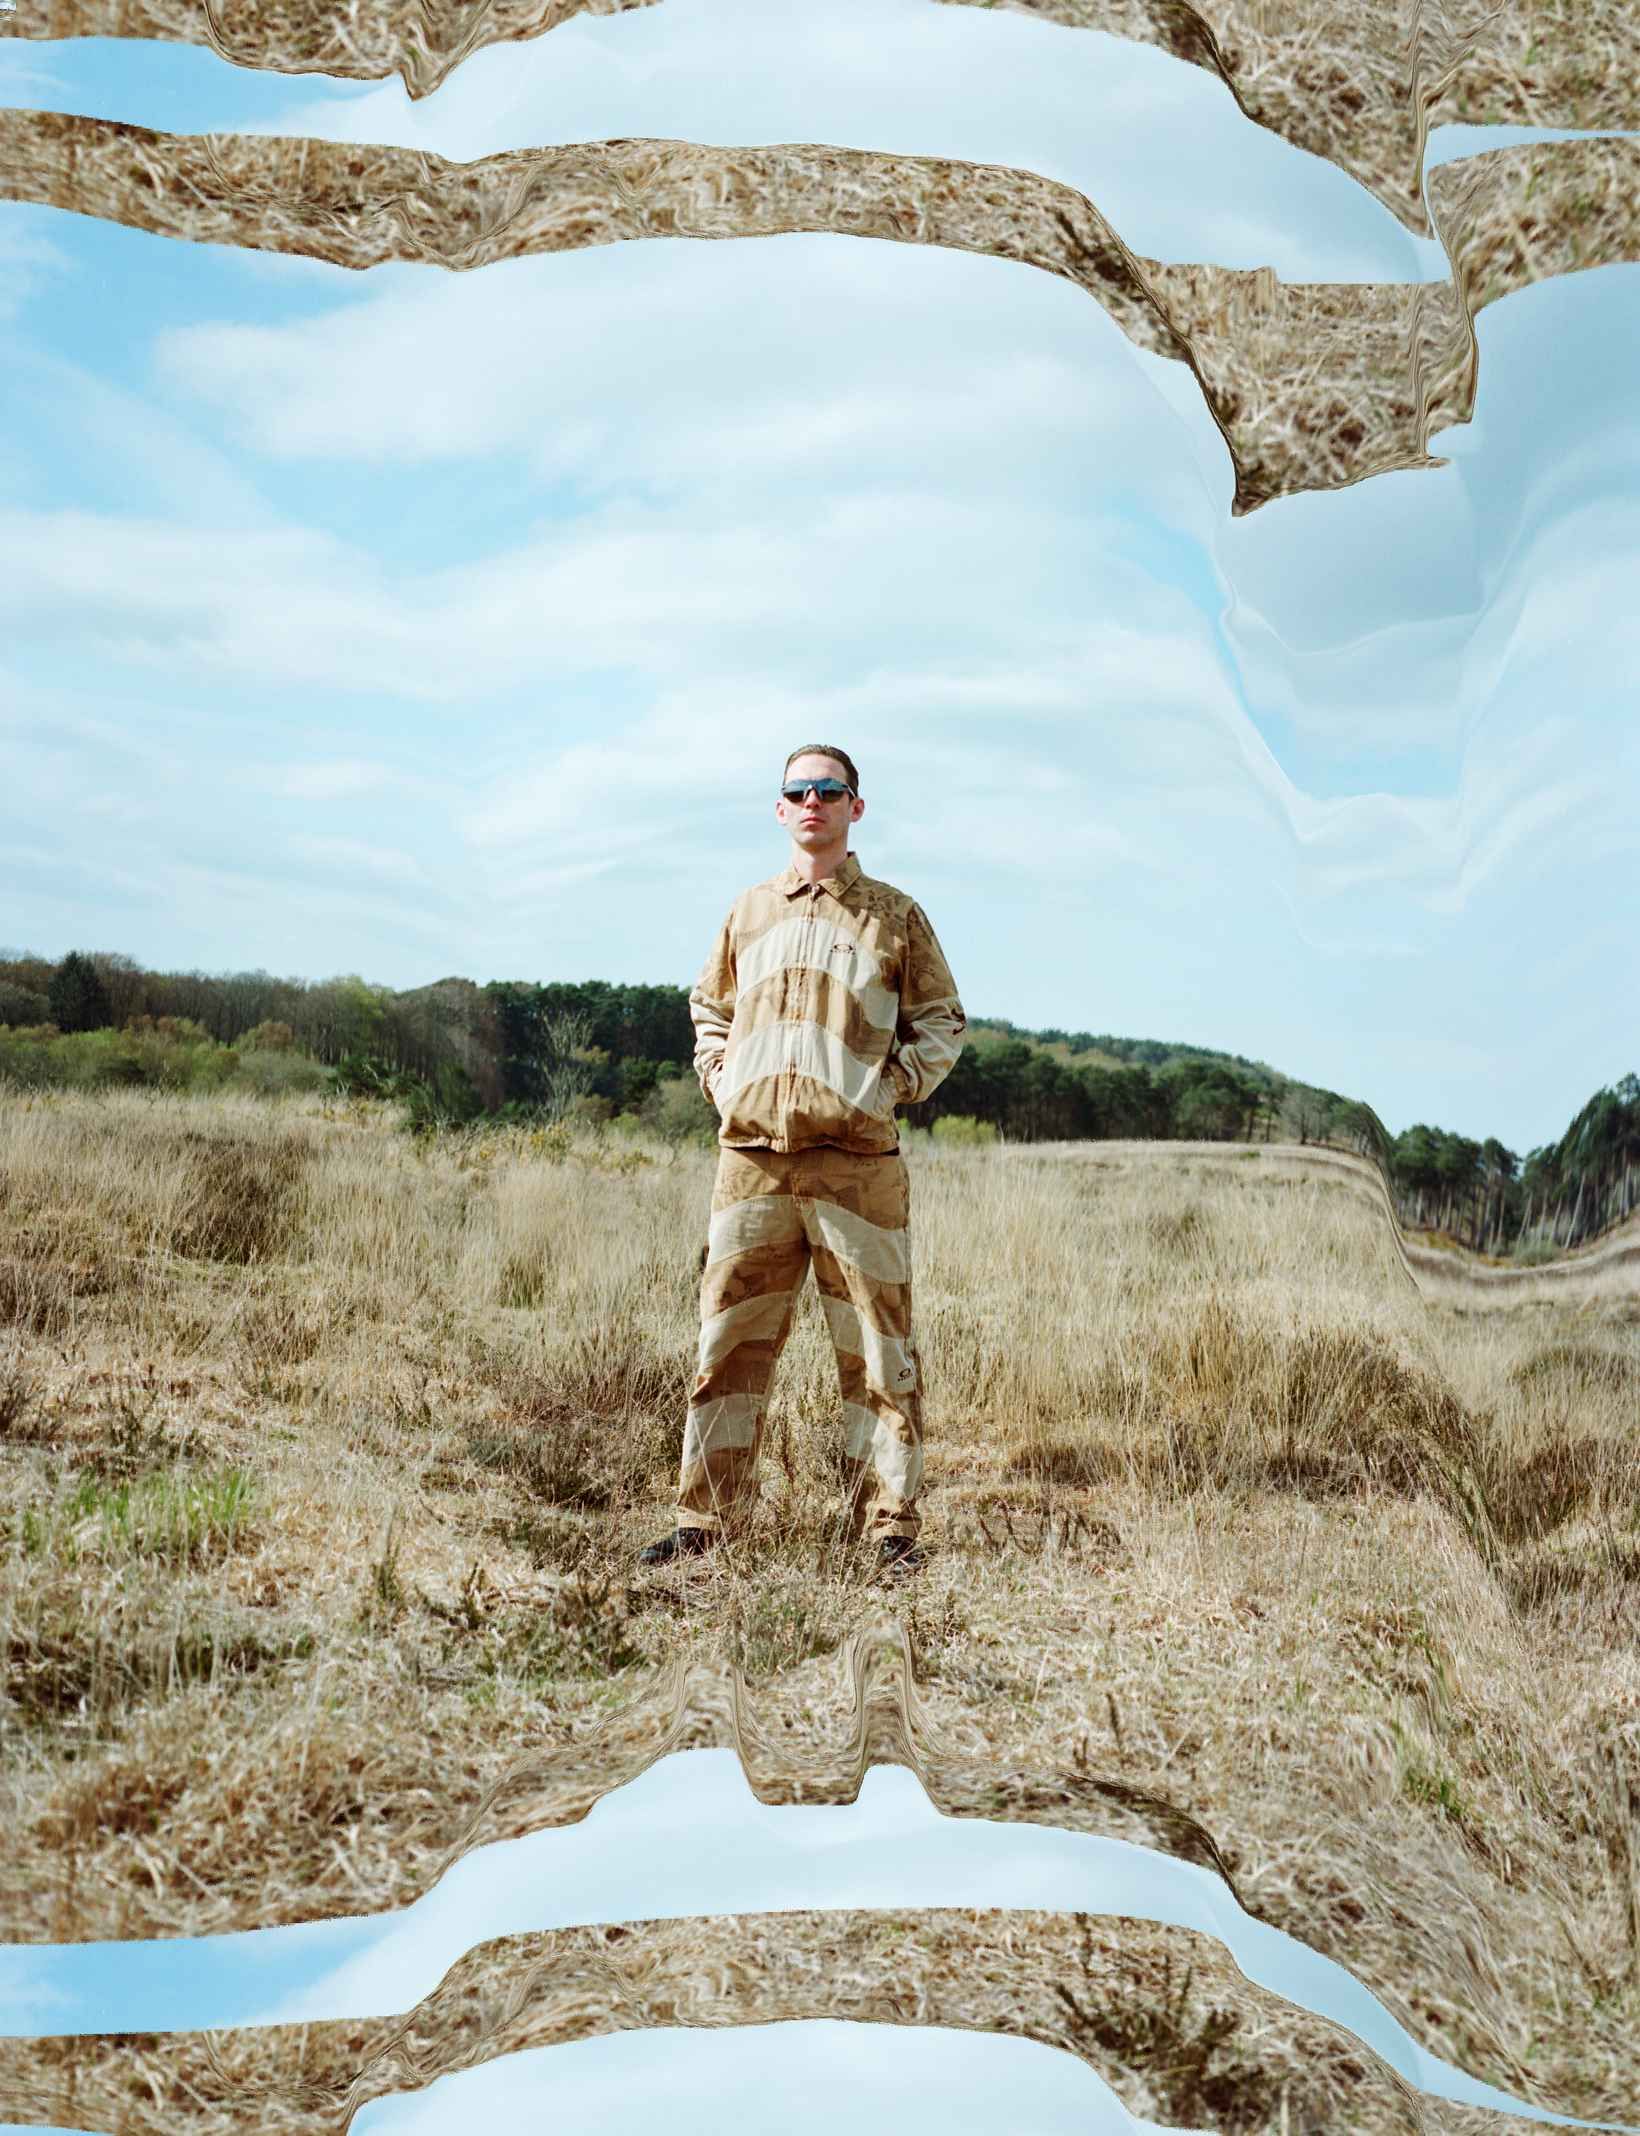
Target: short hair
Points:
x,y
828,749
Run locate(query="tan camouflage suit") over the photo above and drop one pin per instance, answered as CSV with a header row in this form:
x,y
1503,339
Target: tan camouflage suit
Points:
x,y
821,1007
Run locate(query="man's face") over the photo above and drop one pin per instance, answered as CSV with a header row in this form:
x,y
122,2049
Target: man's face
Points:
x,y
815,824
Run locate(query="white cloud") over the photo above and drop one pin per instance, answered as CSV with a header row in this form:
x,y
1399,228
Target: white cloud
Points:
x,y
1520,829
27,261
1024,808
545,882
337,780
849,361
1583,597
905,560
238,897
354,856
101,432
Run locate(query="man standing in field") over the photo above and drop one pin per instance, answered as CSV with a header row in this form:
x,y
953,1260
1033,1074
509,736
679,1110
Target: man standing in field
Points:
x,y
825,1003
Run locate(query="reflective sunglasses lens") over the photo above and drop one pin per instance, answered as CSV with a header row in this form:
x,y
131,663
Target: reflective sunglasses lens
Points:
x,y
827,789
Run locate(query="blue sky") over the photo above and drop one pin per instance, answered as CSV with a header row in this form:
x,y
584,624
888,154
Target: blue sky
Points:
x,y
413,622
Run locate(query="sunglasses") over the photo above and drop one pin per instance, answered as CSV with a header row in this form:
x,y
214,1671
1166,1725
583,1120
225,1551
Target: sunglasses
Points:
x,y
826,789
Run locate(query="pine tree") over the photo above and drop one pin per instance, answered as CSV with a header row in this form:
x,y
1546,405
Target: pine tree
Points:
x,y
78,998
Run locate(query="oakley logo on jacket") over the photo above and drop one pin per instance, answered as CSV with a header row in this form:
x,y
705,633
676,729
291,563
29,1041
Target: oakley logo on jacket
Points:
x,y
821,1007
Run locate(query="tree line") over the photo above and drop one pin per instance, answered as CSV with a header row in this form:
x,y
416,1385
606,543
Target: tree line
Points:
x,y
456,1051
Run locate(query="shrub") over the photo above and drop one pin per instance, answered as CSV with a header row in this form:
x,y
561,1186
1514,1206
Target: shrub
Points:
x,y
177,1030
25,1056
446,1099
679,1113
22,1005
273,1073
168,1052
93,1060
267,1037
962,1131
362,1075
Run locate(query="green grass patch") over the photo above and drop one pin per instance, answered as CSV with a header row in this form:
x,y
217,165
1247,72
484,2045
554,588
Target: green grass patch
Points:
x,y
1437,1789
176,1518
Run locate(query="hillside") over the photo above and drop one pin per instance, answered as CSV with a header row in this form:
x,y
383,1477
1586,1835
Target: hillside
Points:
x,y
602,1052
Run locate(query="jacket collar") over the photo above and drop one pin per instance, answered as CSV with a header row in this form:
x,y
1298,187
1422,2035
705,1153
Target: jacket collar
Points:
x,y
839,884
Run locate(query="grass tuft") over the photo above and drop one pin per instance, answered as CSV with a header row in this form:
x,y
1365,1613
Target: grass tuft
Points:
x,y
241,1197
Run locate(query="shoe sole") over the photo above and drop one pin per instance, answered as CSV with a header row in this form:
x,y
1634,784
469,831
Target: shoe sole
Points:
x,y
677,1557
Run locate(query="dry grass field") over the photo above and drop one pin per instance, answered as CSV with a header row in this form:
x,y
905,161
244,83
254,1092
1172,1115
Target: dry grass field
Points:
x,y
327,1455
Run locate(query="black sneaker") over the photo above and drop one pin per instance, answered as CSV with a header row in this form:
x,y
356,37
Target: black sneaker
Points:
x,y
682,1542
899,1554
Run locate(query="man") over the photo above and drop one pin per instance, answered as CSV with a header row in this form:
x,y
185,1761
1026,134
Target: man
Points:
x,y
825,1003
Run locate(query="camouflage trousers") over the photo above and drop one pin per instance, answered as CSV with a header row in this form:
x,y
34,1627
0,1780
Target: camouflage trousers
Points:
x,y
772,1214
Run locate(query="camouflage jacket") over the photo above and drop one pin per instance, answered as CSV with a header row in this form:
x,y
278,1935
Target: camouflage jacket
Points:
x,y
821,1007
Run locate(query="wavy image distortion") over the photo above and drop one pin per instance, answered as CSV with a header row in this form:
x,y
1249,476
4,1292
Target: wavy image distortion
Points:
x,y
1156,1604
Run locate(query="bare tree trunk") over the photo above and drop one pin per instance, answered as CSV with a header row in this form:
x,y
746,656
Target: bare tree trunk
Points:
x,y
1577,1211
